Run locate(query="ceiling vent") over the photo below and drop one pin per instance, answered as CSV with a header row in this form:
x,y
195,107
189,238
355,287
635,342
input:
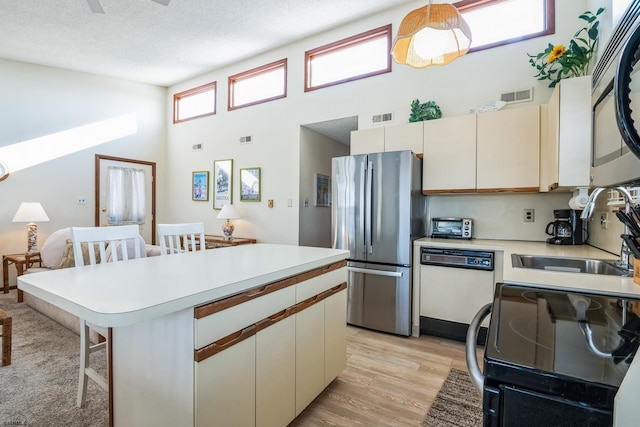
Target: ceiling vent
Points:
x,y
517,96
382,118
246,139
197,147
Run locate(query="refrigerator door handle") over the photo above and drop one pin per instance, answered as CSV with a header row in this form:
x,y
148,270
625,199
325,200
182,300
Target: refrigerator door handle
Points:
x,y
368,220
363,223
375,272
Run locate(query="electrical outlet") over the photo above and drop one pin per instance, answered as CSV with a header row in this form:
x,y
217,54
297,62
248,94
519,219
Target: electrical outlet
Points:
x,y
528,215
270,203
604,220
290,202
81,200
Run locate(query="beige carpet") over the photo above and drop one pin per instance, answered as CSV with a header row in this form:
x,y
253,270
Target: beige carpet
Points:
x,y
39,387
458,404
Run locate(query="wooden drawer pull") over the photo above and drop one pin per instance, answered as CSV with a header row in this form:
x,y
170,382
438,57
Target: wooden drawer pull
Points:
x,y
274,318
224,343
257,291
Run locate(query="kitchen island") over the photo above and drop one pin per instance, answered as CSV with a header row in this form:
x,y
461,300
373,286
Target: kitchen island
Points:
x,y
246,335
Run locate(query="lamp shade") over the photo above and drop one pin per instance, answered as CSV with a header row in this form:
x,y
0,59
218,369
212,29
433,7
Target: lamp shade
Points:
x,y
30,212
435,34
228,212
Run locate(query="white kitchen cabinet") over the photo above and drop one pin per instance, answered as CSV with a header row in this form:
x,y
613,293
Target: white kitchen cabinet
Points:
x,y
275,371
508,150
406,136
281,361
226,386
565,151
367,141
309,354
449,161
335,338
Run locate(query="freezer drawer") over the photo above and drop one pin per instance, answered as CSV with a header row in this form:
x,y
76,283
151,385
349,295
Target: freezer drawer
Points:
x,y
379,297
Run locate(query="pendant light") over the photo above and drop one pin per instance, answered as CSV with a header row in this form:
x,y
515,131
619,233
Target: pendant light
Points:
x,y
435,34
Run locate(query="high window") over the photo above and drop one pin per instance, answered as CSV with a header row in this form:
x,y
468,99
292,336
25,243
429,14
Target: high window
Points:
x,y
261,84
499,22
193,103
356,57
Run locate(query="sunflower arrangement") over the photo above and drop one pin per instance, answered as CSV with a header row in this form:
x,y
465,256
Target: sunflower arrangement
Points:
x,y
558,62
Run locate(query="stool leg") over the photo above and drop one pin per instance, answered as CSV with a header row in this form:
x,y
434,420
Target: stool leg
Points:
x,y
6,341
84,363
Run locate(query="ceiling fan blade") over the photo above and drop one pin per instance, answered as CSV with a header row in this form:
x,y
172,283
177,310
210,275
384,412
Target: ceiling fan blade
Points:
x,y
94,6
162,2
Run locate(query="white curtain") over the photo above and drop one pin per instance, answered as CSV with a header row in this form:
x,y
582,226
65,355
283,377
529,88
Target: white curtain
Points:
x,y
126,196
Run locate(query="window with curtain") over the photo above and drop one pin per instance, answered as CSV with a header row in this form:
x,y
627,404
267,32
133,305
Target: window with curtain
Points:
x,y
126,196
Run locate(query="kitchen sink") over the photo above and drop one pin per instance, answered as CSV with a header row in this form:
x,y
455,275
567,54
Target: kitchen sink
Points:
x,y
571,265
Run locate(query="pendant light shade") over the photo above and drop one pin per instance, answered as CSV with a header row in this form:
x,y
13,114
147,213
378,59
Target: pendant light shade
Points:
x,y
435,34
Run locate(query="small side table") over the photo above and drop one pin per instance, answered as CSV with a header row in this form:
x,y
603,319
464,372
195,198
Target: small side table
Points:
x,y
212,242
22,262
5,323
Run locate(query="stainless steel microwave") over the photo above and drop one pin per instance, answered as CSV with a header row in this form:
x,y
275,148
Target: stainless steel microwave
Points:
x,y
615,151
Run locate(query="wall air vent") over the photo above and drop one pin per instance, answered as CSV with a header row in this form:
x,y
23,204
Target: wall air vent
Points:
x,y
517,96
382,118
245,139
197,147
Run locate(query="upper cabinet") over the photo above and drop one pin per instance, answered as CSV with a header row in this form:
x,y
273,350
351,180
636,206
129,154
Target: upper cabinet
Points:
x,y
489,152
508,150
402,137
449,165
566,144
407,136
367,141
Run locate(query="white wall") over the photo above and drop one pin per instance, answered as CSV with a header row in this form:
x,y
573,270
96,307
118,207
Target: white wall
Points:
x,y
38,101
464,84
316,152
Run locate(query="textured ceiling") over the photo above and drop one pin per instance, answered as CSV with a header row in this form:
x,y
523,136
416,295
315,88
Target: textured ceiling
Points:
x,y
338,129
144,41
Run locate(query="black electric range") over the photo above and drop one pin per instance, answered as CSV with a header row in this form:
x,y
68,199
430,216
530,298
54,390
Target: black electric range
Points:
x,y
555,358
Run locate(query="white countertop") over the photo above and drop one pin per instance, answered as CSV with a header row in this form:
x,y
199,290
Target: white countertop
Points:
x,y
122,293
553,279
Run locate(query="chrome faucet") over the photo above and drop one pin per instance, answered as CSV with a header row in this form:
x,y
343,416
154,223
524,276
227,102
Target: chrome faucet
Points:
x,y
587,213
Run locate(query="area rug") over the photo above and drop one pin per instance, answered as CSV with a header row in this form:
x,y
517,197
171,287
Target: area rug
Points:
x,y
40,386
458,404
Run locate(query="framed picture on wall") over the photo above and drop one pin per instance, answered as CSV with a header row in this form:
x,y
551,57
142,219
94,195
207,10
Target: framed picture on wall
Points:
x,y
223,183
323,190
200,186
250,185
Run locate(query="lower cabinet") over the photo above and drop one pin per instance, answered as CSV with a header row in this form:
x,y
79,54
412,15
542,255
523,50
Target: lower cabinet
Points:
x,y
276,374
335,335
309,355
267,373
226,386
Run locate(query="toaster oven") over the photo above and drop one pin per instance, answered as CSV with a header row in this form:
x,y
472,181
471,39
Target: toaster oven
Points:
x,y
451,228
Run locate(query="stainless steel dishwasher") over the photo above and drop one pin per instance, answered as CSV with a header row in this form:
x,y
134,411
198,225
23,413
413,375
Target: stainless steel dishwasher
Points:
x,y
454,285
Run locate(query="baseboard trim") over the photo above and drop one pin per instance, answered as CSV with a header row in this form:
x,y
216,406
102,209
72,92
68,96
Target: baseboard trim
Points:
x,y
450,330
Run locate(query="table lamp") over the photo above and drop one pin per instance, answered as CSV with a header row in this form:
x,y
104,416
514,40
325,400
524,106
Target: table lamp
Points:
x,y
31,212
228,212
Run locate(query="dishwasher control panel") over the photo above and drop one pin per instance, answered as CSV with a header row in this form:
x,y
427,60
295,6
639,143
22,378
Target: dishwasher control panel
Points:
x,y
462,258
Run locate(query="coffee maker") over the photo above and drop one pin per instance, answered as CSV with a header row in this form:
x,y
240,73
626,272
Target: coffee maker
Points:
x,y
566,229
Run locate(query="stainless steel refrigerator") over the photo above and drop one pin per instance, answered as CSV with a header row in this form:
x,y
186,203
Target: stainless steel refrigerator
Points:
x,y
377,211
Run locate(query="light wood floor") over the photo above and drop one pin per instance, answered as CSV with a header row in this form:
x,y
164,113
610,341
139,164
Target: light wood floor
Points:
x,y
388,381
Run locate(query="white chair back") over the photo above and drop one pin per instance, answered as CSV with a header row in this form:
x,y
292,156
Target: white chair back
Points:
x,y
111,243
176,238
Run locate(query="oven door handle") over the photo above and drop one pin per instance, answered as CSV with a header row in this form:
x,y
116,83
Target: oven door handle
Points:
x,y
477,378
